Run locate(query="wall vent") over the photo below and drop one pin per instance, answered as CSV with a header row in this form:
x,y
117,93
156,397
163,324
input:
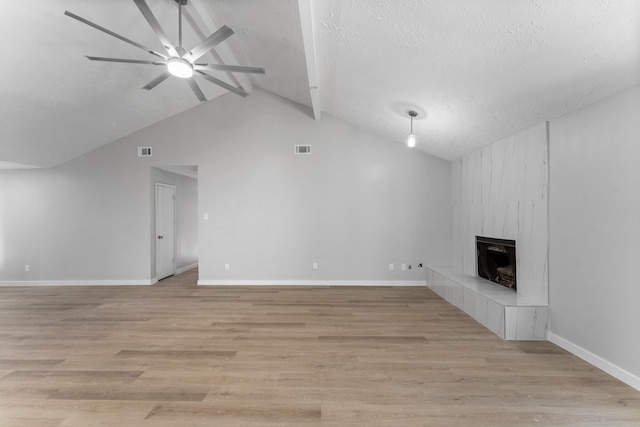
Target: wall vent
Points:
x,y
144,151
302,149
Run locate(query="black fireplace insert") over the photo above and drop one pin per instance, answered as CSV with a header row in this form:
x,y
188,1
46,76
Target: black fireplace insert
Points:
x,y
497,260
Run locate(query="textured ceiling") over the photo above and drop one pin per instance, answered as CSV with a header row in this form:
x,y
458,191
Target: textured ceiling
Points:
x,y
475,70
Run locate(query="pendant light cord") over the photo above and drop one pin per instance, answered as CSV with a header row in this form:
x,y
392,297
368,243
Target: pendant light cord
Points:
x,y
412,114
180,27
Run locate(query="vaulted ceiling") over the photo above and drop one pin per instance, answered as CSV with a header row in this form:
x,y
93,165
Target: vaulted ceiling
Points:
x,y
474,70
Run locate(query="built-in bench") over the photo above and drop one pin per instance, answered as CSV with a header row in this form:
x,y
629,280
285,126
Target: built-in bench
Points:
x,y
501,310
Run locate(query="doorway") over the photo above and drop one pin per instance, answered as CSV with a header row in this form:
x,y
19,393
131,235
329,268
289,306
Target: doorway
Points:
x,y
165,230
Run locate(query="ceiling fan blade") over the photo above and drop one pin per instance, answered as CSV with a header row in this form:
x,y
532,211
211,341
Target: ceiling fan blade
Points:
x,y
128,61
209,43
155,82
196,89
155,25
223,84
234,68
111,33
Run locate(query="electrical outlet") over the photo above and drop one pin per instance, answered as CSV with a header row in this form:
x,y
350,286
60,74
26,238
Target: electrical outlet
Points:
x,y
227,267
315,266
392,267
403,266
27,267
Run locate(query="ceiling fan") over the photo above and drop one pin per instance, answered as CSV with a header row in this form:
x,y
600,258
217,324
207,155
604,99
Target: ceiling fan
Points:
x,y
177,61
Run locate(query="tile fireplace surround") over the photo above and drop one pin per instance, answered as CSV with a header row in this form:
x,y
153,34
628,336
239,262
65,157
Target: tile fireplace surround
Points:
x,y
501,310
501,191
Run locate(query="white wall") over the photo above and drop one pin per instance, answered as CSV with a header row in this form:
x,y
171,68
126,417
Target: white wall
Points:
x,y
358,203
75,222
595,233
501,192
355,205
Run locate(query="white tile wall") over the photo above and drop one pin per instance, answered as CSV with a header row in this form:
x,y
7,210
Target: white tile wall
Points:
x,y
469,302
495,318
505,313
501,191
480,310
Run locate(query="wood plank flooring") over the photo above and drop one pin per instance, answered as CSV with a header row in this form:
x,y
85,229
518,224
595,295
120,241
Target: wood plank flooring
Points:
x,y
175,354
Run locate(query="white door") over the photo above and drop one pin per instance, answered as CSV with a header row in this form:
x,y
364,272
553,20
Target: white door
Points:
x,y
165,230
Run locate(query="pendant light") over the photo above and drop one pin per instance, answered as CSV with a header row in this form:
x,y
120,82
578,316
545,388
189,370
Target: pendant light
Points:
x,y
411,139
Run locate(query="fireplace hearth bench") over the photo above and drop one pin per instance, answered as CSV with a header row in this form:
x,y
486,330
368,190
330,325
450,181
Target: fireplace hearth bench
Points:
x,y
501,310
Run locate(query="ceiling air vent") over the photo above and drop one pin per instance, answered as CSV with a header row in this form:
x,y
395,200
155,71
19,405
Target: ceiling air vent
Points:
x,y
144,151
302,149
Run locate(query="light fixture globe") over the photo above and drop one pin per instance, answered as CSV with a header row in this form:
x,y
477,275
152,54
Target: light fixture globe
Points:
x,y
180,67
411,139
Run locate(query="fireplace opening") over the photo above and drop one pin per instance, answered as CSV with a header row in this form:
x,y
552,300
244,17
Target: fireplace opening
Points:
x,y
497,260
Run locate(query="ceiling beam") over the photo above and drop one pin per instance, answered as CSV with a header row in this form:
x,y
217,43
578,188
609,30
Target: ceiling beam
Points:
x,y
204,25
308,39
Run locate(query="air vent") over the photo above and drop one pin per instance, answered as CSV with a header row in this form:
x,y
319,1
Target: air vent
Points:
x,y
144,151
302,149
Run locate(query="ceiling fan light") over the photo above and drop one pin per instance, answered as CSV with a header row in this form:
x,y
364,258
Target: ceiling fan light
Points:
x,y
180,68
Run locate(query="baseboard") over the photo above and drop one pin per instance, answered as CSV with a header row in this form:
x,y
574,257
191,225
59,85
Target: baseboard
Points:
x,y
312,282
187,268
79,283
597,361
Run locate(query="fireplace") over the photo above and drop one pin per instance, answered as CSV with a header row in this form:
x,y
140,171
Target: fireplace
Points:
x,y
497,260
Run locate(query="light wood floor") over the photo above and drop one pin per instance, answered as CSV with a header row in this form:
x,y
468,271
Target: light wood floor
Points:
x,y
175,354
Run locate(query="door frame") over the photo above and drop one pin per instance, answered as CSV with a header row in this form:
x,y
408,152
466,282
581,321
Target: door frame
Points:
x,y
156,230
